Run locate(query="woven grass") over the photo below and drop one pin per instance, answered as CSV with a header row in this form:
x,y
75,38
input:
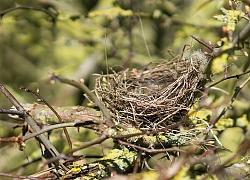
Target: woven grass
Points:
x,y
155,97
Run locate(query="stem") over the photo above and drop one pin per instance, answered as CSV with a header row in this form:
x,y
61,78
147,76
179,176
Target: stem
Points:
x,y
49,128
52,109
2,13
99,140
237,90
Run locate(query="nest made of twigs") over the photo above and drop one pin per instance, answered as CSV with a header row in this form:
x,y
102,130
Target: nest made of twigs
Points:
x,y
155,97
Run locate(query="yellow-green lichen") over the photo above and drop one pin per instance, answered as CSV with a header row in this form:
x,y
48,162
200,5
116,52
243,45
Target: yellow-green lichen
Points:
x,y
224,123
119,160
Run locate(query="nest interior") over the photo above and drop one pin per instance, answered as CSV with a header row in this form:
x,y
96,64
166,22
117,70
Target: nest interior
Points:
x,y
155,97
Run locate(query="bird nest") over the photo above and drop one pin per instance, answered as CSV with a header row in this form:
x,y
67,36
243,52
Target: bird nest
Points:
x,y
155,97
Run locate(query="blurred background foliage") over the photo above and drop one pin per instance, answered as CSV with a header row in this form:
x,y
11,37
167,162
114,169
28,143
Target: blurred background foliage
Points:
x,y
32,46
128,33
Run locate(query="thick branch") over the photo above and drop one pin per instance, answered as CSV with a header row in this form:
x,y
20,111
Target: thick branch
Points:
x,y
77,114
236,92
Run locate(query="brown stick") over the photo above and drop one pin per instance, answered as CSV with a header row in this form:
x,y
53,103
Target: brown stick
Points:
x,y
92,96
41,99
237,90
30,121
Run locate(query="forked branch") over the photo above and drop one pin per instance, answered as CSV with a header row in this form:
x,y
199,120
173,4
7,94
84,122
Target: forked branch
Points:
x,y
30,121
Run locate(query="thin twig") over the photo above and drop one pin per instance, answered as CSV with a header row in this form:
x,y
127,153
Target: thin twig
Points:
x,y
30,121
49,128
41,99
23,165
228,77
137,162
238,42
151,150
144,37
92,96
12,99
99,140
22,177
237,90
10,111
148,132
43,130
17,6
210,47
242,36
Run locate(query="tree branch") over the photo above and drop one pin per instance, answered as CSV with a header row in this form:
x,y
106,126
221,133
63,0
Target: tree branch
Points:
x,y
17,6
30,121
41,99
48,128
92,96
237,90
